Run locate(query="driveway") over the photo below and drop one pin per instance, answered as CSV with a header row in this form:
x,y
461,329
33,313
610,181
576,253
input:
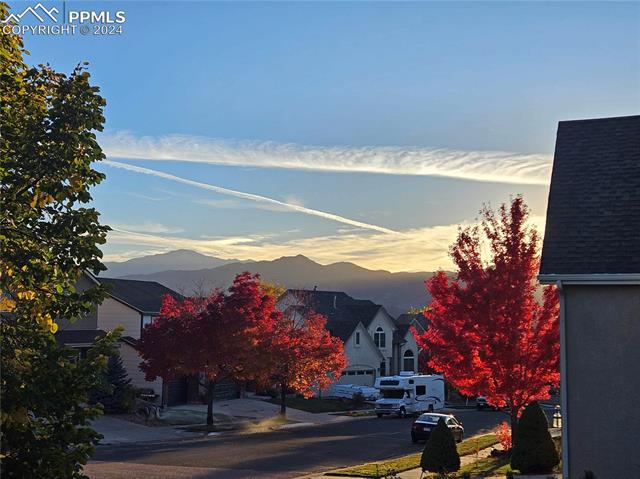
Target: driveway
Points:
x,y
278,454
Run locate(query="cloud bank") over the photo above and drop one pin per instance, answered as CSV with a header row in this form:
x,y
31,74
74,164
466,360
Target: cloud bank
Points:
x,y
295,207
495,166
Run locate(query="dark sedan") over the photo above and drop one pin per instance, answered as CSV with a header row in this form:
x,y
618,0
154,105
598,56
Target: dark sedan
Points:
x,y
422,427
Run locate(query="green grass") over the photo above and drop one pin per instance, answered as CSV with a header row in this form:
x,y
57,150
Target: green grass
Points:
x,y
487,466
314,405
404,463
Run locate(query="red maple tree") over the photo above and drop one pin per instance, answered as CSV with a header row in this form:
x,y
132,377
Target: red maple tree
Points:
x,y
488,334
304,357
221,336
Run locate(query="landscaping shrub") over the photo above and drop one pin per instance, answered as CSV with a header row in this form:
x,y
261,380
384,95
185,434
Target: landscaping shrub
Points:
x,y
588,475
533,449
440,453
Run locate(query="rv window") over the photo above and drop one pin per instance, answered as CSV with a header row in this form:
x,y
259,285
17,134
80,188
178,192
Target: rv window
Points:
x,y
421,390
389,382
392,393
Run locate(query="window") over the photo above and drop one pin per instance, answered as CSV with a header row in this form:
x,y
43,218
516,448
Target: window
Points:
x,y
383,368
408,363
147,319
421,390
357,338
380,338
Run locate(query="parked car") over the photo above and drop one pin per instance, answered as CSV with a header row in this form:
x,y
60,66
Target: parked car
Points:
x,y
481,403
422,427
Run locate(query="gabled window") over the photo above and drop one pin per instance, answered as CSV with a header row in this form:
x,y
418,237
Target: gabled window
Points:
x,y
357,340
380,338
408,363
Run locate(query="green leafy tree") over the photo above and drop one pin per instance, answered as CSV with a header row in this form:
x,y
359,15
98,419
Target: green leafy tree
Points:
x,y
440,453
533,449
116,394
48,237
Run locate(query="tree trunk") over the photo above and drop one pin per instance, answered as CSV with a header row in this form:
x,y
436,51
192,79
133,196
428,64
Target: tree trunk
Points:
x,y
283,399
514,422
211,385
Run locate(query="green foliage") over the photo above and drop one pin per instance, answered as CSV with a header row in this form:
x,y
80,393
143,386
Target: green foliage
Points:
x,y
45,418
440,453
116,393
588,475
533,449
48,238
509,475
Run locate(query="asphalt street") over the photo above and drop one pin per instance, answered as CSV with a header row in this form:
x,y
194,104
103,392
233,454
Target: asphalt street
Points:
x,y
278,454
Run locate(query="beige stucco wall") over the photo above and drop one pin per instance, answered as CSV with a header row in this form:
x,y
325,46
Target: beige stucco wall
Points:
x,y
364,356
603,380
410,344
131,362
112,314
384,321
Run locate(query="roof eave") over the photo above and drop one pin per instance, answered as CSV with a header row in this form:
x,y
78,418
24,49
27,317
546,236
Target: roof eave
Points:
x,y
592,279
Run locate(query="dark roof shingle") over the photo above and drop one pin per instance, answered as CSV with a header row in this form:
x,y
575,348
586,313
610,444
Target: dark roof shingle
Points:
x,y
343,312
145,296
593,213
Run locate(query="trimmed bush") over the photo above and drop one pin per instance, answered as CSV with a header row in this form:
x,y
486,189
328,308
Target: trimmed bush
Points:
x,y
440,453
533,449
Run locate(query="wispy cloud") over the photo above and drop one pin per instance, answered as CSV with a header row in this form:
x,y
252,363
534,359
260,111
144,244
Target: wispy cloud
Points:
x,y
498,166
251,197
147,227
418,249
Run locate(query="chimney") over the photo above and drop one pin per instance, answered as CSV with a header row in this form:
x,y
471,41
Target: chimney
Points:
x,y
335,298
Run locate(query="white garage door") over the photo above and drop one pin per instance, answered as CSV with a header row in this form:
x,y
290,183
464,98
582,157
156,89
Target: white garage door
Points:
x,y
361,377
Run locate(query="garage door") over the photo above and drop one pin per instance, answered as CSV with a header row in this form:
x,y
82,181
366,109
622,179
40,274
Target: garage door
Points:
x,y
361,377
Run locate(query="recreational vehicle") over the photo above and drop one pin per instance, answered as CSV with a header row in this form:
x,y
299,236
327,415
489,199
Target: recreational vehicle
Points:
x,y
409,393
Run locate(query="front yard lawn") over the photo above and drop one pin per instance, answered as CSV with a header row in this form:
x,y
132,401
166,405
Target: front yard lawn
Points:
x,y
315,405
404,463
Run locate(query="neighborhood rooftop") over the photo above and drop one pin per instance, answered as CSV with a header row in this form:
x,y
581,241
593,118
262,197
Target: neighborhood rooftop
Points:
x,y
594,200
145,296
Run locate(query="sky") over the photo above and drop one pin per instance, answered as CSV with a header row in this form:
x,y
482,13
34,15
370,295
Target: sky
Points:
x,y
345,131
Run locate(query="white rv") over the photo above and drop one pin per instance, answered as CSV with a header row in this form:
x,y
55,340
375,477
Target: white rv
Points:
x,y
409,393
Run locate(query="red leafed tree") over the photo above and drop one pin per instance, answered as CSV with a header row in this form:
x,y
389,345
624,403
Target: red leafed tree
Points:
x,y
303,356
217,337
488,334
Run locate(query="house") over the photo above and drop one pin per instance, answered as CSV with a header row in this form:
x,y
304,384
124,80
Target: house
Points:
x,y
131,304
373,342
407,350
591,251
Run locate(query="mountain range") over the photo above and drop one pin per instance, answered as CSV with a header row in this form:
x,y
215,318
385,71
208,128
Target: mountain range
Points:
x,y
187,271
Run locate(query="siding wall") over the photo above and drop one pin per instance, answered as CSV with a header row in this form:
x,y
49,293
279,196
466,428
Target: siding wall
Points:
x,y
603,380
90,321
112,314
131,362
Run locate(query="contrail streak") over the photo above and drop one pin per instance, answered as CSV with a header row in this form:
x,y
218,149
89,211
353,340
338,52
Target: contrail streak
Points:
x,y
249,196
495,166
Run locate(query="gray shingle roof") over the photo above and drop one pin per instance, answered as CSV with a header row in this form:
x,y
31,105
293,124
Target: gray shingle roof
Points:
x,y
343,312
593,214
145,296
78,336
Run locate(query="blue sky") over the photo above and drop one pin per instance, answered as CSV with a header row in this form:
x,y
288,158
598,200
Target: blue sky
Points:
x,y
401,119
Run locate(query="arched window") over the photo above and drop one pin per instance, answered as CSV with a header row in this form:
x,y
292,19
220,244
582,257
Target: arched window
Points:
x,y
408,363
379,338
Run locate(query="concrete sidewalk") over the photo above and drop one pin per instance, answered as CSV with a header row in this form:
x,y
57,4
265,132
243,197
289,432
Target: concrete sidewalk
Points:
x,y
231,414
119,431
255,408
